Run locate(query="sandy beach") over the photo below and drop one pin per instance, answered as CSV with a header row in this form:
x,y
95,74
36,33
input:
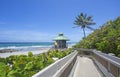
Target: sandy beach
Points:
x,y
42,50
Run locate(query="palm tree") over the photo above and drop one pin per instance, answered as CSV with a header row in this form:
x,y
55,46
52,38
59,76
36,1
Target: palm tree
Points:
x,y
84,21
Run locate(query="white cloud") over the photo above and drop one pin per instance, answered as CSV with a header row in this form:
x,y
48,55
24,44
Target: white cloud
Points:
x,y
78,35
25,36
37,36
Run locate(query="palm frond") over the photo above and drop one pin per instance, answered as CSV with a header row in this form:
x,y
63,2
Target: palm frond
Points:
x,y
85,16
82,14
89,18
91,23
84,21
90,28
75,26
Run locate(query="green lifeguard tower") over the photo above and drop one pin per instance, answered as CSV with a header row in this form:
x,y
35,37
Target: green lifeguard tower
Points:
x,y
60,41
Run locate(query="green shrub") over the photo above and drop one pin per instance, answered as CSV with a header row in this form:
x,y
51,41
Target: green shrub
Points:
x,y
11,58
105,39
2,69
29,66
30,54
3,60
14,73
59,54
26,66
119,55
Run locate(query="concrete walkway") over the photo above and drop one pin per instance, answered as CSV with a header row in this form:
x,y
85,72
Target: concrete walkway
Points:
x,y
86,68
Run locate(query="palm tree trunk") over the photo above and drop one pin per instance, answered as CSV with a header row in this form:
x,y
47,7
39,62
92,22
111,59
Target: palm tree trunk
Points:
x,y
84,32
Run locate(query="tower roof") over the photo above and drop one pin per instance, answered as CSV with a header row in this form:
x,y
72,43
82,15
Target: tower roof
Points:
x,y
60,37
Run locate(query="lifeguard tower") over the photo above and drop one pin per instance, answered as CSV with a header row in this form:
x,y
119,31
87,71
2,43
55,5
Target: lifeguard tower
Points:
x,y
60,41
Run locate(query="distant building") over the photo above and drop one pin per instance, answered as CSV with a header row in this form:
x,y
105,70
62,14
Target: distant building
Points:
x,y
60,41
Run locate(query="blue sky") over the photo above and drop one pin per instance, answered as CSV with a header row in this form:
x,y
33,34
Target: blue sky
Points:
x,y
41,20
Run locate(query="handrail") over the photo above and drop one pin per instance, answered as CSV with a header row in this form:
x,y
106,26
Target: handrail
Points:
x,y
108,64
57,68
114,60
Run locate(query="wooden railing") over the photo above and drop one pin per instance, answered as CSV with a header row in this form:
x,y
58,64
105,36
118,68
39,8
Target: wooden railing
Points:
x,y
61,68
109,65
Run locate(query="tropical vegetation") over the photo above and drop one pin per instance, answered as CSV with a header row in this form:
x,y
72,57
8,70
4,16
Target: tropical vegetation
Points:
x,y
84,21
28,65
105,39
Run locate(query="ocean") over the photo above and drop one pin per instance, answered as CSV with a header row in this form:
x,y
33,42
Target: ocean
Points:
x,y
28,46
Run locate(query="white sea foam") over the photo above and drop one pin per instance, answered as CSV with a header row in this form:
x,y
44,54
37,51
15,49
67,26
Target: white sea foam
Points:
x,y
32,46
42,50
25,47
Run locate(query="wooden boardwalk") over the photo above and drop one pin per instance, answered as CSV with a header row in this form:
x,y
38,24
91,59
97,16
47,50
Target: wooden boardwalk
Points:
x,y
86,68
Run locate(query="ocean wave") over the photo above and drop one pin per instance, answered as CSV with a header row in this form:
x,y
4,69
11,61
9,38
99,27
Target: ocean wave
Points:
x,y
25,47
31,46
